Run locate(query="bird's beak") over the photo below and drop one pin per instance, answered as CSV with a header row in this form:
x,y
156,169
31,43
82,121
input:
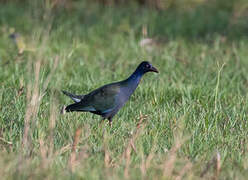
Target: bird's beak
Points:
x,y
153,69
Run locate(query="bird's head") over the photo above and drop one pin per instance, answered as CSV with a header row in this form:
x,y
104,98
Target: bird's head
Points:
x,y
145,67
14,36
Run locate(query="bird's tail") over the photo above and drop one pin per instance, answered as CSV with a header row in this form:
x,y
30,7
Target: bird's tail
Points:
x,y
70,108
75,98
75,107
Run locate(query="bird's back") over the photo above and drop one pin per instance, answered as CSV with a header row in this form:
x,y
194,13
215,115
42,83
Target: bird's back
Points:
x,y
104,98
100,101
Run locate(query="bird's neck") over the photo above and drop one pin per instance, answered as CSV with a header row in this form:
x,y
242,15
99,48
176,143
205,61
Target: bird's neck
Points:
x,y
134,79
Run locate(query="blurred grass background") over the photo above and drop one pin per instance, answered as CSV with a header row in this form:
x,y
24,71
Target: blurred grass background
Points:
x,y
188,122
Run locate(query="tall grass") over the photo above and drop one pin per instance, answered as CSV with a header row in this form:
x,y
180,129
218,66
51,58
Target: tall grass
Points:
x,y
188,122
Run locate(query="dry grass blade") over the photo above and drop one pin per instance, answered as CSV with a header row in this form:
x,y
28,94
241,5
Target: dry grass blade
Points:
x,y
63,150
185,169
130,146
20,91
169,164
141,119
32,101
149,158
43,153
218,166
53,115
55,65
72,161
143,165
146,162
127,157
215,162
34,95
5,141
107,157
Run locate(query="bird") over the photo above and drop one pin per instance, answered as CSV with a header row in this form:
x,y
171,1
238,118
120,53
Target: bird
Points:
x,y
107,100
20,43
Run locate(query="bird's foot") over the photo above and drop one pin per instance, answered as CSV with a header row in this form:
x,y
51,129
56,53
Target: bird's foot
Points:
x,y
110,123
102,122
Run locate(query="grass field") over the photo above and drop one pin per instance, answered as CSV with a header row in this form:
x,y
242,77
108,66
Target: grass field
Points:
x,y
187,122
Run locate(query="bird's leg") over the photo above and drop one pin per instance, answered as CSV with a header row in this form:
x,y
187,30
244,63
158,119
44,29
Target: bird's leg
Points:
x,y
110,121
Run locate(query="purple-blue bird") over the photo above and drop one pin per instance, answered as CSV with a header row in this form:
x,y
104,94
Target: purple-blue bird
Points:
x,y
107,100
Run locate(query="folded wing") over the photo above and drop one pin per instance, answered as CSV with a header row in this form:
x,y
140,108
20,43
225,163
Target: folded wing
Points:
x,y
100,101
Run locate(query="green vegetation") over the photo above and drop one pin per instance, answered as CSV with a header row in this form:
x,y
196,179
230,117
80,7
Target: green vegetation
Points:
x,y
189,121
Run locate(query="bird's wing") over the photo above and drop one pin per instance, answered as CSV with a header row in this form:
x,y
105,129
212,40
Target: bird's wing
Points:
x,y
102,100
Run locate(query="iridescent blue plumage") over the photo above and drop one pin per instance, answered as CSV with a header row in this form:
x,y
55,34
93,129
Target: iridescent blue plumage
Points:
x,y
108,99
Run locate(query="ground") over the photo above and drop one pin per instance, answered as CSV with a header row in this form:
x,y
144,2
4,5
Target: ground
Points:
x,y
188,121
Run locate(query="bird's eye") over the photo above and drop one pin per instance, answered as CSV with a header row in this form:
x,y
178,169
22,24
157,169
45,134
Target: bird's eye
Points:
x,y
148,66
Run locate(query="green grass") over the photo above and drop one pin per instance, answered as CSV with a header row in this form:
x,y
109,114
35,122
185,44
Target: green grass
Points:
x,y
194,109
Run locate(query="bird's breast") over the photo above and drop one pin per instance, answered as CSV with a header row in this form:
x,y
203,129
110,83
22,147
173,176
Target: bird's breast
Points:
x,y
125,94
